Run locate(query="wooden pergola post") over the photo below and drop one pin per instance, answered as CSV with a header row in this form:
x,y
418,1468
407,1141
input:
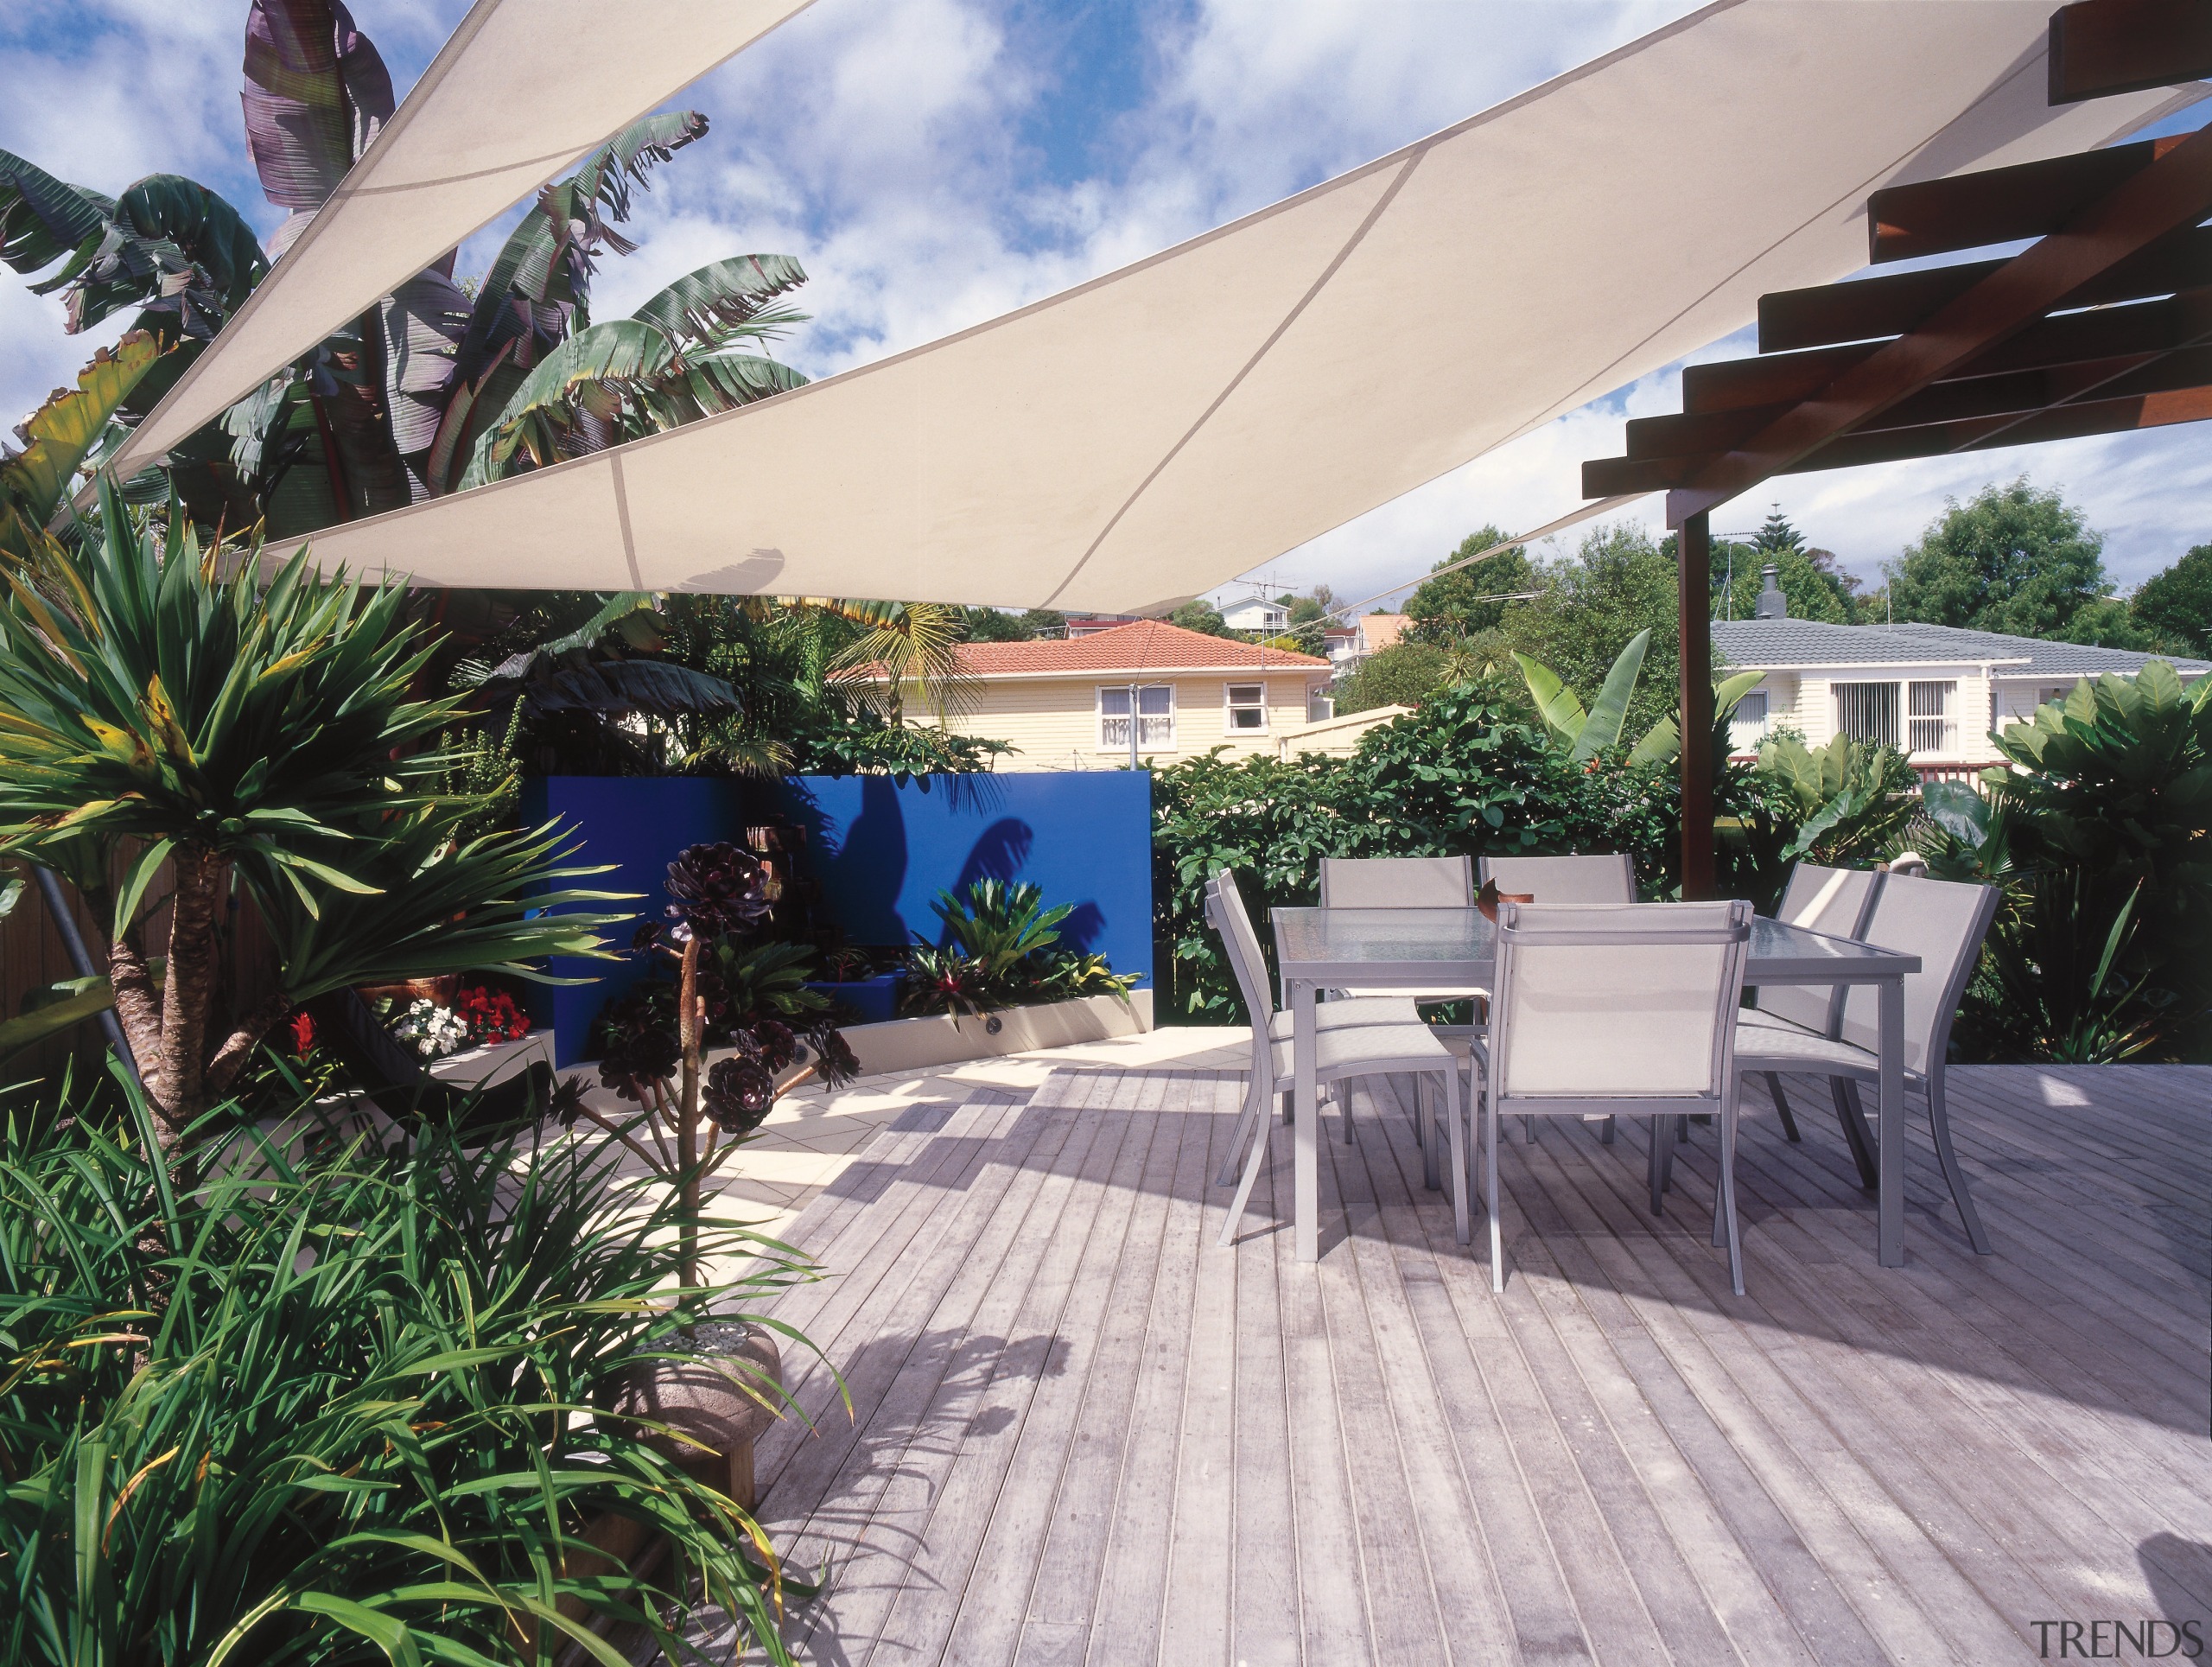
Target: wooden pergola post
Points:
x,y
1694,544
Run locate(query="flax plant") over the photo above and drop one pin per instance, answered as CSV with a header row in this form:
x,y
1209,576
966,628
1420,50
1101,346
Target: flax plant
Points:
x,y
359,1412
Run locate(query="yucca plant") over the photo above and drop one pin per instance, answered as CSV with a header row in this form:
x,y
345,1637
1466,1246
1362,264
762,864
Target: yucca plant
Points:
x,y
360,1412
238,735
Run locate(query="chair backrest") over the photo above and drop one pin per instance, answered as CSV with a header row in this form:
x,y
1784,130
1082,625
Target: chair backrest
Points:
x,y
1396,882
1836,901
1225,908
1598,879
1617,1002
1942,921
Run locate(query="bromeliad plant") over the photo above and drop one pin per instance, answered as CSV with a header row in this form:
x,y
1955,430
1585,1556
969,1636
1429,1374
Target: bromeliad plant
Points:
x,y
165,717
1000,948
361,1408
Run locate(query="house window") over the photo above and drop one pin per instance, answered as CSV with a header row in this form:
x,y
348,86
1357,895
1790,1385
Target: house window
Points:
x,y
1930,727
1748,724
1867,712
1155,717
1248,708
1320,704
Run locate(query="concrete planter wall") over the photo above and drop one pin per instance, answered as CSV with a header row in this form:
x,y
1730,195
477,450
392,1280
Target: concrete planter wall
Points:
x,y
939,1039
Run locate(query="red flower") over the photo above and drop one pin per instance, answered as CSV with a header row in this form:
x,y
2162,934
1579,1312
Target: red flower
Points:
x,y
302,1032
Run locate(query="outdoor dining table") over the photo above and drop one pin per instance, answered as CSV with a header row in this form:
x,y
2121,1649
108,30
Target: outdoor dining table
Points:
x,y
1442,948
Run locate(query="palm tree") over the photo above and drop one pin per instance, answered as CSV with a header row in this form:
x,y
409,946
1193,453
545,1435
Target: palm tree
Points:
x,y
160,717
916,643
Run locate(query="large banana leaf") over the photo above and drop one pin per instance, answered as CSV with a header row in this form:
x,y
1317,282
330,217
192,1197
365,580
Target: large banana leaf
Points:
x,y
711,304
1556,705
1663,741
316,94
532,271
61,432
1601,730
621,350
43,220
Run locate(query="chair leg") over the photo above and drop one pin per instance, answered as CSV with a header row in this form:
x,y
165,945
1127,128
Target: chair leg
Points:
x,y
1453,1112
1254,1109
1605,1130
1651,1165
1681,1131
1490,1193
1528,1131
1725,1198
1781,1105
1258,1156
1424,1122
1344,1107
1852,1115
1939,1122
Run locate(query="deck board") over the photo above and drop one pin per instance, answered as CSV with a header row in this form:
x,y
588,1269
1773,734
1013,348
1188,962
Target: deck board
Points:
x,y
1082,1433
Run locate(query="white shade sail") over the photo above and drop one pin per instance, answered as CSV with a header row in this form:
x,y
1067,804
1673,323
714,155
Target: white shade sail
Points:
x,y
523,89
1154,432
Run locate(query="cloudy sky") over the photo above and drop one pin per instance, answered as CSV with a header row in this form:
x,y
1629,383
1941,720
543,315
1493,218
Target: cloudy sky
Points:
x,y
934,162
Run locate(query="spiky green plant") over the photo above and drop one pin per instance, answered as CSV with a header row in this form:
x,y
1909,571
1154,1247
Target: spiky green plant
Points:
x,y
226,734
362,1412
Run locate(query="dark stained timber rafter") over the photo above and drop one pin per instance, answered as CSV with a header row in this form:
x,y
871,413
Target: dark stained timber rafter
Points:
x,y
2103,47
2134,223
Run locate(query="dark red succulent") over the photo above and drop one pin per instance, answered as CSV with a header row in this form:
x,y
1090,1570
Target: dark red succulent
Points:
x,y
718,888
739,1093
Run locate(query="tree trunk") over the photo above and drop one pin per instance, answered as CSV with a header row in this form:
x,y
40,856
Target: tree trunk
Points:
x,y
237,1049
177,1081
137,1004
687,1106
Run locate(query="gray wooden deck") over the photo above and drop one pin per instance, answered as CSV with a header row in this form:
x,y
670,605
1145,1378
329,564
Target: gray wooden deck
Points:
x,y
1079,1432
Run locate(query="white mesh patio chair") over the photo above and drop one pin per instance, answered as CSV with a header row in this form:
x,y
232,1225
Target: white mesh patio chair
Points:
x,y
1606,877
1401,882
1344,1047
1943,923
1623,1011
1837,902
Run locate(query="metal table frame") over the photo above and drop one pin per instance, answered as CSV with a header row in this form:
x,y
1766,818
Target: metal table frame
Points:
x,y
1430,949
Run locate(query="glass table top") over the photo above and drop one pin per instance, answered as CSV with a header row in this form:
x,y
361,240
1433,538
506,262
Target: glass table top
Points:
x,y
1431,942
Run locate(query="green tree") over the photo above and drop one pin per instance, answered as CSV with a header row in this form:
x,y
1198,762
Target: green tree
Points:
x,y
1592,604
1404,674
1202,616
1815,588
2176,605
996,625
1451,605
2015,560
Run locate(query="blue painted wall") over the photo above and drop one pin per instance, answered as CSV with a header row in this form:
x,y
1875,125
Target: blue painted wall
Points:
x,y
881,848
638,823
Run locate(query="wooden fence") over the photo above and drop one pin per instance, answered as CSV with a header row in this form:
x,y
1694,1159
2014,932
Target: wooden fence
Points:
x,y
33,956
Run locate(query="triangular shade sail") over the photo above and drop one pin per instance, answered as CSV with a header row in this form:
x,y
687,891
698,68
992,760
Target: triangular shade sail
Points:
x,y
1154,432
523,89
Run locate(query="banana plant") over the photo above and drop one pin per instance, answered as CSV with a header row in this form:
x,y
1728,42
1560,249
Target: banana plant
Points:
x,y
62,437
1663,741
1583,735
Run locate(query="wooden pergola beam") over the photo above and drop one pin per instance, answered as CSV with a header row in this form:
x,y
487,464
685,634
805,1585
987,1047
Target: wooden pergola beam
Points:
x,y
1997,205
1865,309
2173,192
2103,47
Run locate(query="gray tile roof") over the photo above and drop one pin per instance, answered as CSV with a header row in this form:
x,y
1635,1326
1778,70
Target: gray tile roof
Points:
x,y
1749,643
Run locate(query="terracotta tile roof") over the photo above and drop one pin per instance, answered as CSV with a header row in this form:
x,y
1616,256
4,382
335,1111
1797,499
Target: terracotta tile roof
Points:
x,y
1145,646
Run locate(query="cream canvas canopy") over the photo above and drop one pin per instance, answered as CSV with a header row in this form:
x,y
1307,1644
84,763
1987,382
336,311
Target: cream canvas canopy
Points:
x,y
1156,432
523,89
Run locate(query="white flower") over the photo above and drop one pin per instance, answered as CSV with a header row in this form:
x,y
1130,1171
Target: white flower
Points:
x,y
433,1031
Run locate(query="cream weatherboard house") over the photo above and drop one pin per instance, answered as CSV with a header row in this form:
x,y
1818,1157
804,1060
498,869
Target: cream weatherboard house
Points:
x,y
1068,704
1934,691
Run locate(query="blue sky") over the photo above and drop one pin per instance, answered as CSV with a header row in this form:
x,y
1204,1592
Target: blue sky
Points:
x,y
934,162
